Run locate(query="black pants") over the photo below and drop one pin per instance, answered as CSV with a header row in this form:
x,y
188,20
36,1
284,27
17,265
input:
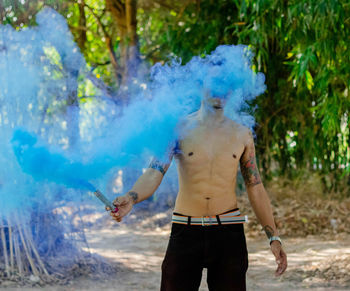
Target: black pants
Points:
x,y
221,249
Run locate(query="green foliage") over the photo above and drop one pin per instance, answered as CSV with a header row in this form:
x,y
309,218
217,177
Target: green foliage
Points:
x,y
188,30
302,47
94,48
304,43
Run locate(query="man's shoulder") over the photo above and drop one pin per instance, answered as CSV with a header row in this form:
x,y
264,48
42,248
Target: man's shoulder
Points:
x,y
187,121
242,132
190,117
239,128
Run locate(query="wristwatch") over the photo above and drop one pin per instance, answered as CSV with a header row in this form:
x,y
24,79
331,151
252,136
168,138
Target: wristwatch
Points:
x,y
272,238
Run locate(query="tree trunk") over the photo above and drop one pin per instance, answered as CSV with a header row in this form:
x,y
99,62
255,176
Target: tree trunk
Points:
x,y
132,41
72,112
124,13
82,23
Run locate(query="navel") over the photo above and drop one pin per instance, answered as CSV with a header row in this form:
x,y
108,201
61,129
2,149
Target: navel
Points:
x,y
234,156
190,154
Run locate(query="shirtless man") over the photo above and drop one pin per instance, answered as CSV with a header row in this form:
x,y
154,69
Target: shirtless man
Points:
x,y
207,229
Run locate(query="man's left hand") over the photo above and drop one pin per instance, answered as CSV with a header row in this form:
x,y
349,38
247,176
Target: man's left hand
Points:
x,y
281,257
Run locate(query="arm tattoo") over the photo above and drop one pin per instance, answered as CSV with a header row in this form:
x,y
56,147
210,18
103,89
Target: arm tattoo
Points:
x,y
268,230
134,196
157,166
250,171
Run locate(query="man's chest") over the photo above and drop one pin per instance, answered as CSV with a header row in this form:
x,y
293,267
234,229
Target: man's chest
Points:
x,y
218,147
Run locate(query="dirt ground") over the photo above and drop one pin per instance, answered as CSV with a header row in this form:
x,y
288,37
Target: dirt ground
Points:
x,y
137,250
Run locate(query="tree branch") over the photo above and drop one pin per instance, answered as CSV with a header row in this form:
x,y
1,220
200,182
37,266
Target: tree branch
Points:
x,y
108,38
116,7
100,84
120,5
71,27
95,64
98,18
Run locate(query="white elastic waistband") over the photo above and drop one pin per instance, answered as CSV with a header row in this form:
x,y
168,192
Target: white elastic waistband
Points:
x,y
227,218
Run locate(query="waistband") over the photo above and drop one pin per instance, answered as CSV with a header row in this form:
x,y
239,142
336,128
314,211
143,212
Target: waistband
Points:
x,y
230,217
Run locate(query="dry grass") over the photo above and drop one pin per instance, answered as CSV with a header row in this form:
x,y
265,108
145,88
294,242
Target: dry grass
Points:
x,y
301,208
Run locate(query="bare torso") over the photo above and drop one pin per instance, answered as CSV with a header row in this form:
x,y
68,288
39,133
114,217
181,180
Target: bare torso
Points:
x,y
207,167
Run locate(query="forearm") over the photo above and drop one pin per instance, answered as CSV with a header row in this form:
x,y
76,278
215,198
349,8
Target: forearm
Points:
x,y
145,185
262,207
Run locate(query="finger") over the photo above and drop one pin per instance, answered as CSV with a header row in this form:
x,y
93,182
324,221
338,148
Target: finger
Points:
x,y
114,214
120,201
116,201
284,267
284,264
281,268
279,264
280,271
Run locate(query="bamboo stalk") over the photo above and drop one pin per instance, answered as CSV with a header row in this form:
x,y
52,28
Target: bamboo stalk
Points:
x,y
29,238
4,247
11,247
26,249
18,255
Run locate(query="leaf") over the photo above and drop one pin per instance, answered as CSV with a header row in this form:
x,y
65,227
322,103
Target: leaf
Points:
x,y
309,80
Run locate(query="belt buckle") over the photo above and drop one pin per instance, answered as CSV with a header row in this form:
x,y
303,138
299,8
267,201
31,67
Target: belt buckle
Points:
x,y
210,222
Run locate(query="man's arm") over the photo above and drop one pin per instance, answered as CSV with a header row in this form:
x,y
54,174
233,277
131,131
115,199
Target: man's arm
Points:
x,y
256,192
143,188
260,201
149,181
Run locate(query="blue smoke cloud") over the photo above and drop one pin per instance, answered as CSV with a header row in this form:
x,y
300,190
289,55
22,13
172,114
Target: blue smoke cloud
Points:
x,y
44,165
38,71
37,66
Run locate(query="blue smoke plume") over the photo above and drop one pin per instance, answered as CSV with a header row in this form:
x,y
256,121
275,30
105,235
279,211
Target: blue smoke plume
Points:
x,y
44,165
71,145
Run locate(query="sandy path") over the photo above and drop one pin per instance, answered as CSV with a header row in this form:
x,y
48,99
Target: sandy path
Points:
x,y
143,250
139,252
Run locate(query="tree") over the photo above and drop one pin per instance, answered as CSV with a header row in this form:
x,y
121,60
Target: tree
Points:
x,y
302,47
124,14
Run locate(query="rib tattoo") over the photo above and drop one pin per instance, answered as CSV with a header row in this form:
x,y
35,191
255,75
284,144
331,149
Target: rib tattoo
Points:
x,y
268,230
134,196
250,171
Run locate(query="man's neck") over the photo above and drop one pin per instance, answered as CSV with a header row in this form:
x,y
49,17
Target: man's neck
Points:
x,y
211,116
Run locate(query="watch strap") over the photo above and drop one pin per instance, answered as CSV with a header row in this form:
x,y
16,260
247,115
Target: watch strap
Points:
x,y
272,238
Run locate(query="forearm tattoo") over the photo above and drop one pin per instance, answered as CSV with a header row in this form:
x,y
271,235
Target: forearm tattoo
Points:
x,y
250,171
157,166
134,196
268,230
